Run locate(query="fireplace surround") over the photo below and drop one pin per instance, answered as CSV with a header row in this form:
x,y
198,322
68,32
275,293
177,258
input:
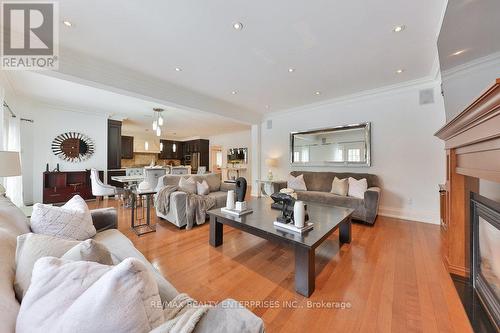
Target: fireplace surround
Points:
x,y
485,254
472,144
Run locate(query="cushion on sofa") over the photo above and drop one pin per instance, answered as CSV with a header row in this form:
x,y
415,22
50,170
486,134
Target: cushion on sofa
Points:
x,y
202,188
31,247
330,199
83,296
357,188
322,180
121,247
296,183
72,220
340,186
187,185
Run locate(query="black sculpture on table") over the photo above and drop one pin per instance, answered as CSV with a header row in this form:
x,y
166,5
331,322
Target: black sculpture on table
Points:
x,y
285,202
241,189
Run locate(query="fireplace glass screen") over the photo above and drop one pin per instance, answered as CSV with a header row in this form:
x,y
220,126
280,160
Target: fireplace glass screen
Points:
x,y
489,255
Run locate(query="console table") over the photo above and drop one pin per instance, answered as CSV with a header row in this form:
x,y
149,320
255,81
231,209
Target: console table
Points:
x,y
60,186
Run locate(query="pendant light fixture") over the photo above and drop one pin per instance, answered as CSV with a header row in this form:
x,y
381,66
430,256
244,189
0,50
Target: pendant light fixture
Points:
x,y
157,120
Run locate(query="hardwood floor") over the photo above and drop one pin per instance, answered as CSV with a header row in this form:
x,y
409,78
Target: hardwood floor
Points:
x,y
389,279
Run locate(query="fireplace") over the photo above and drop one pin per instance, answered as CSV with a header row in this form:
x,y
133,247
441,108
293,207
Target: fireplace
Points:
x,y
485,254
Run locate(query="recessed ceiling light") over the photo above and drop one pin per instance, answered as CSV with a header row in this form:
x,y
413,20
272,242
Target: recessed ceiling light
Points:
x,y
238,25
178,69
317,93
458,52
67,23
399,28
291,70
234,92
399,71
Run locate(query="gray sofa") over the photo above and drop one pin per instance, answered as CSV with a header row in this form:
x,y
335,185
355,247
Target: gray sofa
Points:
x,y
227,316
177,211
319,185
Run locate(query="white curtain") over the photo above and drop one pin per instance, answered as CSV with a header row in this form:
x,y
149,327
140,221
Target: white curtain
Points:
x,y
14,185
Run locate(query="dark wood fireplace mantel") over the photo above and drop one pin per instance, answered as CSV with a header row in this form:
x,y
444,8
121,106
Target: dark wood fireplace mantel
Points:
x,y
472,142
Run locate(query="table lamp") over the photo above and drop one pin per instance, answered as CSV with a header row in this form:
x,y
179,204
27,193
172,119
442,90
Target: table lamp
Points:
x,y
271,162
10,166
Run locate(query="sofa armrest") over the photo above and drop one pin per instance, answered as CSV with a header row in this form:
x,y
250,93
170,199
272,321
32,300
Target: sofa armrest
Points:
x,y
229,316
104,218
224,187
371,201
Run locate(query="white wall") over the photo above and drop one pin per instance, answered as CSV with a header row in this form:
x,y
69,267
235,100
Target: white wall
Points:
x,y
37,138
406,156
242,139
464,83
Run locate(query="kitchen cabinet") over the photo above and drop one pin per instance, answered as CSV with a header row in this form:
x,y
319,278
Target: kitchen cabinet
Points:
x,y
168,152
127,147
114,144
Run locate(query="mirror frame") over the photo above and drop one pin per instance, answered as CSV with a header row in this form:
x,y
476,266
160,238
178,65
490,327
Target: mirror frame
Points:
x,y
366,126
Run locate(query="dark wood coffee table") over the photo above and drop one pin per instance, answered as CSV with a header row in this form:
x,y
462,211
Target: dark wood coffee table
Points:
x,y
326,220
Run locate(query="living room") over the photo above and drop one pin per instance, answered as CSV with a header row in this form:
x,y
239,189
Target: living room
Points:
x,y
339,179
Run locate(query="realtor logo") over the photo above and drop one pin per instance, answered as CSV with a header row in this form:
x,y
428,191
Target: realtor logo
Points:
x,y
29,35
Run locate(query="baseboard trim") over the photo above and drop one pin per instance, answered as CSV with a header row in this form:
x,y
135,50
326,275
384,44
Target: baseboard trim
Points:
x,y
402,215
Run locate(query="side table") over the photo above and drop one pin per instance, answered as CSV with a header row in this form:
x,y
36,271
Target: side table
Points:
x,y
136,218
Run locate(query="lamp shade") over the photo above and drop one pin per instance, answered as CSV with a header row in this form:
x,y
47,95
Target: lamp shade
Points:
x,y
10,164
271,162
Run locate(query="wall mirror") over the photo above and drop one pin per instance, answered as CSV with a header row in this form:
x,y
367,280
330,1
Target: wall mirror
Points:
x,y
73,147
337,146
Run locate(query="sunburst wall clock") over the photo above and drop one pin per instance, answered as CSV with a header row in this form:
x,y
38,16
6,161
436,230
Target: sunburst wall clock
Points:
x,y
73,147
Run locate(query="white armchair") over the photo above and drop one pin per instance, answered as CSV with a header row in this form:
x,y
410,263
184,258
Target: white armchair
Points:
x,y
99,189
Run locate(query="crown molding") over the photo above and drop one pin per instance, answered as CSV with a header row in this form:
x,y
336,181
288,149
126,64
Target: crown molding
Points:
x,y
466,68
362,95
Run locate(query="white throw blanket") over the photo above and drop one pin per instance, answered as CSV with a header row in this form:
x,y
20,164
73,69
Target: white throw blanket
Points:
x,y
181,315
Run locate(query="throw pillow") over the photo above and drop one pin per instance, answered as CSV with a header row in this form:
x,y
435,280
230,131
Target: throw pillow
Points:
x,y
202,188
357,188
187,185
83,296
296,183
31,247
340,186
72,220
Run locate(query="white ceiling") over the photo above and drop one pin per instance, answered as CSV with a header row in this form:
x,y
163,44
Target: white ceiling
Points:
x,y
137,112
471,26
336,47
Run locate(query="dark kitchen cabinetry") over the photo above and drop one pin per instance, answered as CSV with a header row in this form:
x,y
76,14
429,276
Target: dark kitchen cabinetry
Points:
x,y
127,147
114,144
168,152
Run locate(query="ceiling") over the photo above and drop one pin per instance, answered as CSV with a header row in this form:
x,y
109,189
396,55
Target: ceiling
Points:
x,y
137,113
335,47
471,28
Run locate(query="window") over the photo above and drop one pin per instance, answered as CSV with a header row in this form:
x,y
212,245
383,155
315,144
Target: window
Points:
x,y
338,154
218,159
305,155
354,155
296,156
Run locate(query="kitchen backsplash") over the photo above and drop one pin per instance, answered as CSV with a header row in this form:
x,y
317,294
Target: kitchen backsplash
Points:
x,y
144,159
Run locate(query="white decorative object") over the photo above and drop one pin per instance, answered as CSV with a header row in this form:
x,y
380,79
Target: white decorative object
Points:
x,y
241,205
230,199
83,296
296,183
71,221
291,227
299,214
357,188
